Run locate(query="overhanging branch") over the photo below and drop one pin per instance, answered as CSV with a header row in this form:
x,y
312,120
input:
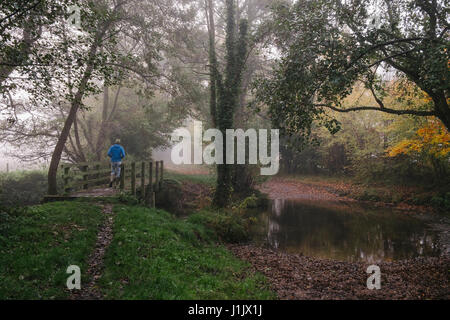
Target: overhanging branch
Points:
x,y
386,110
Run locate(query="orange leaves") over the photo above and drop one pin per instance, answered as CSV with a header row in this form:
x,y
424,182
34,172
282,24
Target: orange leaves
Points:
x,y
402,147
432,139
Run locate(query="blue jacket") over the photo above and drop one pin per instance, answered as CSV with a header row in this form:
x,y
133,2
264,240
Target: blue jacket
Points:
x,y
116,153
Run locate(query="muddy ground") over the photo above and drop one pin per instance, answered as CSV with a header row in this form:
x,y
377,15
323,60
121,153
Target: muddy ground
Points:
x,y
291,188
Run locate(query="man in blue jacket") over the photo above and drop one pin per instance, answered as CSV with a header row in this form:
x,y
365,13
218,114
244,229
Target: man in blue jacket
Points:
x,y
116,152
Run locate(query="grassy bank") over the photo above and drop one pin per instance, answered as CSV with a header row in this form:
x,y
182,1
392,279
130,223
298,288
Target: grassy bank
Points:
x,y
153,255
156,256
38,243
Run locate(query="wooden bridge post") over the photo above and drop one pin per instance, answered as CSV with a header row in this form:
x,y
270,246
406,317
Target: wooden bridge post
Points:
x,y
133,178
149,199
150,174
66,179
122,176
97,175
143,180
162,174
84,169
157,176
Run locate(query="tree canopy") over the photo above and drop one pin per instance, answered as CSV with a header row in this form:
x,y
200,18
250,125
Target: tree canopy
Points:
x,y
326,47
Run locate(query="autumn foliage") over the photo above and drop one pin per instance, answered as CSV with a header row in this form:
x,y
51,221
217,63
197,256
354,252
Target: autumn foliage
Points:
x,y
433,140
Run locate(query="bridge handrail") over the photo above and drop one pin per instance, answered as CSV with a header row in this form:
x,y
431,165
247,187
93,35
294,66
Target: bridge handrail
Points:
x,y
86,174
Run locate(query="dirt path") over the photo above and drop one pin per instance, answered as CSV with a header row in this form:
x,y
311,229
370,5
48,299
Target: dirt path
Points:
x,y
292,188
280,188
90,290
98,192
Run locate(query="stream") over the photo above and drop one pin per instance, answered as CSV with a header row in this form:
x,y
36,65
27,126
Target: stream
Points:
x,y
347,231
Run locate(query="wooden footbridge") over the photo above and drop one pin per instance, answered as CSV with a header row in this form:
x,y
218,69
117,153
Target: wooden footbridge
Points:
x,y
91,179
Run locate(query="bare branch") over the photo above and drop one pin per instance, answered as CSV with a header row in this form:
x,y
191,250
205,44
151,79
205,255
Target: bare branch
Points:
x,y
386,110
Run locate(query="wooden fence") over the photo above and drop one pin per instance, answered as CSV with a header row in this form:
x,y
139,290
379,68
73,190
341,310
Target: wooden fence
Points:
x,y
83,176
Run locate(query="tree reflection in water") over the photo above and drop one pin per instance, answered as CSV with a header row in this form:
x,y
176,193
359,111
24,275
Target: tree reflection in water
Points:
x,y
348,231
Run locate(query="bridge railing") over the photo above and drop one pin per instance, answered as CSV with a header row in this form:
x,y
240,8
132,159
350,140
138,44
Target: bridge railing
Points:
x,y
83,176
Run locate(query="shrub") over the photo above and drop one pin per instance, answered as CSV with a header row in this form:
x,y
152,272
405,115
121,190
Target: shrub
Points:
x,y
227,225
441,201
23,188
369,195
447,201
249,203
437,201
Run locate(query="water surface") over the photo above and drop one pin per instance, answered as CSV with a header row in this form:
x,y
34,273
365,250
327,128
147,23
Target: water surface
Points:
x,y
346,231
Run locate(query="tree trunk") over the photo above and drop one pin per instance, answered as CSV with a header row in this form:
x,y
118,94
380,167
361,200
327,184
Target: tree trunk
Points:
x,y
102,134
77,139
76,103
212,62
442,108
229,98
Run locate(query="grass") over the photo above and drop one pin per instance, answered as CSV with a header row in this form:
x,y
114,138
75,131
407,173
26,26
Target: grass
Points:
x,y
156,256
153,254
38,243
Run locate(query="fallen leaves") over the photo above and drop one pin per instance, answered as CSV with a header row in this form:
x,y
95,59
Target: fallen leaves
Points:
x,y
296,277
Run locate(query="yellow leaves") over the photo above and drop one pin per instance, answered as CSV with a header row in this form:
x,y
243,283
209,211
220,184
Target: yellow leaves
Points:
x,y
444,152
426,98
402,147
432,139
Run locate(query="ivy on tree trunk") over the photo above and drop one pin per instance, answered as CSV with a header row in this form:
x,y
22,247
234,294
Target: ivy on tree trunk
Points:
x,y
228,91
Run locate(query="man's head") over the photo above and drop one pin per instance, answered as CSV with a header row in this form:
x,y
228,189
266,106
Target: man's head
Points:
x,y
117,141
